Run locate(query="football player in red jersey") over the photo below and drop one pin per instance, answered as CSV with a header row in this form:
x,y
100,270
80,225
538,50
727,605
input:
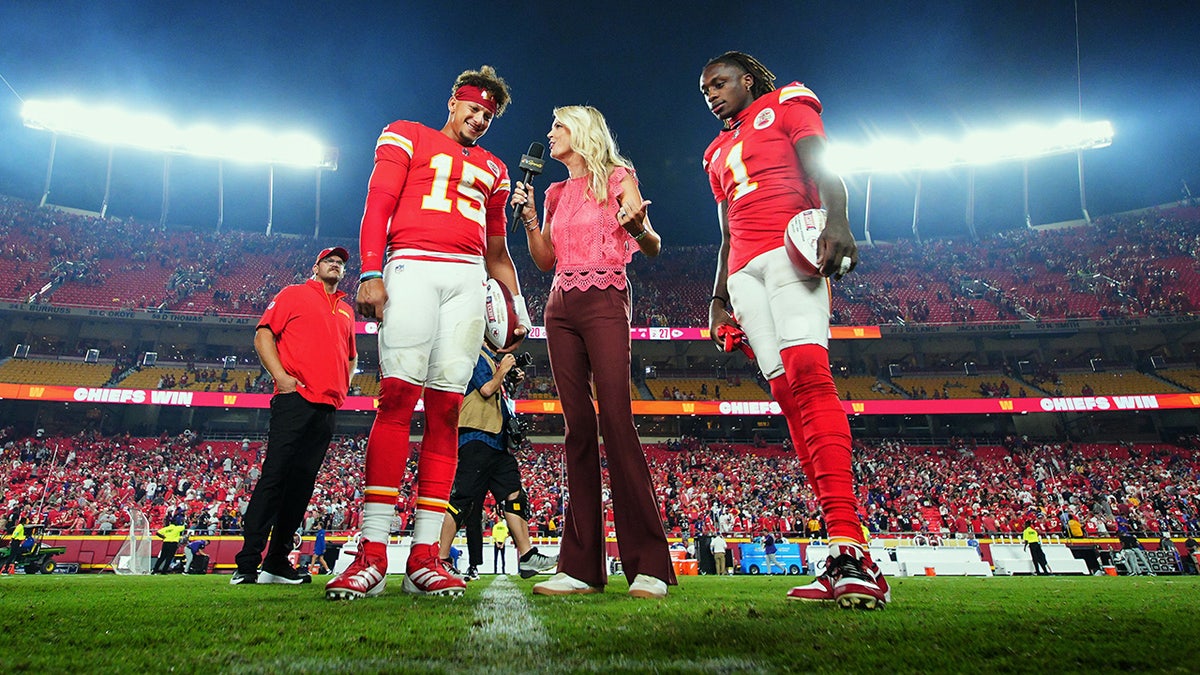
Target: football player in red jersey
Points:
x,y
432,232
765,166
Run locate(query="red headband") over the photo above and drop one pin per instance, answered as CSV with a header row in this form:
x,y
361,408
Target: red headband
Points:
x,y
469,92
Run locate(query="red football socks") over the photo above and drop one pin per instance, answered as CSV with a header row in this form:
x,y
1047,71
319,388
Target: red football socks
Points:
x,y
826,434
387,447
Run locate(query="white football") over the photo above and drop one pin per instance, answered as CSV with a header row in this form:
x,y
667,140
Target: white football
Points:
x,y
499,315
800,240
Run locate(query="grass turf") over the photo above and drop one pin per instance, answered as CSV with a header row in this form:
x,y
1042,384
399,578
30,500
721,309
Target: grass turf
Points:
x,y
104,623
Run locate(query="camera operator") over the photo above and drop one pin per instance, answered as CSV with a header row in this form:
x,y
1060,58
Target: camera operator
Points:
x,y
489,432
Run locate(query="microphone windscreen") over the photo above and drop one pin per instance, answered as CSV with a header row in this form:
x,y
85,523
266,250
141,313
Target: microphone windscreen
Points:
x,y
536,150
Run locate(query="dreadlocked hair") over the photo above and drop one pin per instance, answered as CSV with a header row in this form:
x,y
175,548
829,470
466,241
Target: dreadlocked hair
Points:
x,y
764,80
486,78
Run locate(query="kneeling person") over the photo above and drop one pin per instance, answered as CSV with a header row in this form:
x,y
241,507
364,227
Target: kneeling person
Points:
x,y
485,463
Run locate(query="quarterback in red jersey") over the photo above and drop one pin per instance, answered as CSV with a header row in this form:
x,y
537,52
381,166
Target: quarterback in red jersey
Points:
x,y
432,232
765,166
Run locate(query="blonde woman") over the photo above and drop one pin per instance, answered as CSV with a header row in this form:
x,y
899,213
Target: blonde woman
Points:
x,y
595,221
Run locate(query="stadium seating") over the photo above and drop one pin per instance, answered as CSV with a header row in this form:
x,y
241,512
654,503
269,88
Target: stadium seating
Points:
x,y
864,387
955,385
39,371
1014,275
1118,383
739,389
1187,379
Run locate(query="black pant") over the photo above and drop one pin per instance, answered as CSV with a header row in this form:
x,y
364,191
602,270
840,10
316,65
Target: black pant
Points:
x,y
1040,566
165,558
481,468
474,527
296,445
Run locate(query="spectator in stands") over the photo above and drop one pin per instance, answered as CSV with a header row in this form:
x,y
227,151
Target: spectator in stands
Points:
x,y
486,460
438,262
1033,543
1075,528
595,222
305,340
784,313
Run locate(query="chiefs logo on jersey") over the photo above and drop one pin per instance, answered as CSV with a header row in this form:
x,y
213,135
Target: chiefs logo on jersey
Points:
x,y
764,119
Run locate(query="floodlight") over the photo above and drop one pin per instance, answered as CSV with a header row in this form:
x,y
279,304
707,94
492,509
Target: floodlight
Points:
x,y
1021,142
112,126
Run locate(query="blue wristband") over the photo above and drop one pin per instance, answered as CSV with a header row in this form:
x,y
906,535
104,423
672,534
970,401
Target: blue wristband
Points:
x,y
367,276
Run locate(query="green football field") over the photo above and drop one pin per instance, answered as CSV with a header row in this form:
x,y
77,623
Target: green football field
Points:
x,y
200,624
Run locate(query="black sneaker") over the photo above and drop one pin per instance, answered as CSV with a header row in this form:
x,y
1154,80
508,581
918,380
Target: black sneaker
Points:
x,y
241,578
283,574
472,574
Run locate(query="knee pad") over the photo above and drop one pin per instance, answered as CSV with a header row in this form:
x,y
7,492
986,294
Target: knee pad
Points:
x,y
457,514
519,506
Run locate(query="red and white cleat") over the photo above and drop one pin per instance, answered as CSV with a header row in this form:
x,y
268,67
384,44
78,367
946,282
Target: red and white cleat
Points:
x,y
366,576
820,590
427,576
851,578
856,585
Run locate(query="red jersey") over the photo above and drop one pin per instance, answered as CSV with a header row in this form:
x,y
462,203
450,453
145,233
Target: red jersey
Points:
x,y
752,165
431,194
314,334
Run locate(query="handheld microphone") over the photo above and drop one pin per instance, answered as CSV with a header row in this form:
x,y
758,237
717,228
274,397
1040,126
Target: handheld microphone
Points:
x,y
532,164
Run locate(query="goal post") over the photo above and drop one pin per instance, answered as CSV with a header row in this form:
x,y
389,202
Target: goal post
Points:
x,y
134,555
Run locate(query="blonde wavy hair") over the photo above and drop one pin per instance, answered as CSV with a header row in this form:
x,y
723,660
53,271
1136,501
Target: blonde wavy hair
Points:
x,y
592,139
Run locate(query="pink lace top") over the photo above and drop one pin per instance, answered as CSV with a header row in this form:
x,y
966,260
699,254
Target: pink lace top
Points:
x,y
590,248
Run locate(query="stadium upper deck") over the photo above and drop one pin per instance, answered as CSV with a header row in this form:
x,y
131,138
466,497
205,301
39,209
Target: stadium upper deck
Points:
x,y
1125,266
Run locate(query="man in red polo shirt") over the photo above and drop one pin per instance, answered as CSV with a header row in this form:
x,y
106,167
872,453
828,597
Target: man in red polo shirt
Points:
x,y
305,340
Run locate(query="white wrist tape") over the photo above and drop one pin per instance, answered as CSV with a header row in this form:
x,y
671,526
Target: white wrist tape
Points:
x,y
522,312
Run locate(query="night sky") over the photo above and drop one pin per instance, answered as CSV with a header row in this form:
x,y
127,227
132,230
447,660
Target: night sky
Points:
x,y
341,71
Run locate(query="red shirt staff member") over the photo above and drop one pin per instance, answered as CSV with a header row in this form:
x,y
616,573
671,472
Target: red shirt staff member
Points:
x,y
305,340
765,166
432,231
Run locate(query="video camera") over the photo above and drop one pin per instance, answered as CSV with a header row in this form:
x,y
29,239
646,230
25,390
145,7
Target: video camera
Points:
x,y
515,427
524,360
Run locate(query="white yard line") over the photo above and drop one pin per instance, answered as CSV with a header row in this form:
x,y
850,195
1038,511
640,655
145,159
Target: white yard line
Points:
x,y
506,625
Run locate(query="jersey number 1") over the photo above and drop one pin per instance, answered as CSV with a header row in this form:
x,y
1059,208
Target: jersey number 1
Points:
x,y
737,168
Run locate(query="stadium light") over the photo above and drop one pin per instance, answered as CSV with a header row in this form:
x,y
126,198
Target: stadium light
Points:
x,y
1022,142
111,125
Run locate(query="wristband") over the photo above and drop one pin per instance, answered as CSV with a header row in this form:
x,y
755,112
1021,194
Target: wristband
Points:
x,y
641,235
724,300
527,222
522,312
367,276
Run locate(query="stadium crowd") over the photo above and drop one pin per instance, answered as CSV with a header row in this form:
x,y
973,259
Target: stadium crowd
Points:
x,y
84,484
1123,266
